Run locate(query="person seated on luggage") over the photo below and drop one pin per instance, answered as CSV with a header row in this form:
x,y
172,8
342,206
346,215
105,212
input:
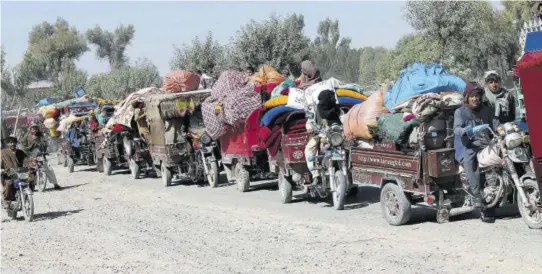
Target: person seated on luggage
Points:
x,y
327,112
500,99
471,123
12,158
310,75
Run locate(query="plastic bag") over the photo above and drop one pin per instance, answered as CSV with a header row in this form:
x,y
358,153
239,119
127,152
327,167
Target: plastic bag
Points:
x,y
489,156
360,117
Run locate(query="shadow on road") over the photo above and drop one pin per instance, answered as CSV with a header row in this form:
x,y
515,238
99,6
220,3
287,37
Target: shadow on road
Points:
x,y
88,169
54,215
68,187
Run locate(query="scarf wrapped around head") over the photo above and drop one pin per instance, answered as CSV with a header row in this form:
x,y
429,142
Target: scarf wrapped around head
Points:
x,y
500,101
470,90
327,106
310,74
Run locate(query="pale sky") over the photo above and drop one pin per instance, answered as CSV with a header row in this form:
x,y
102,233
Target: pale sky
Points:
x,y
160,25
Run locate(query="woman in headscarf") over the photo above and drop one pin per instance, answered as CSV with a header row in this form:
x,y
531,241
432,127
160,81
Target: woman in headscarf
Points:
x,y
327,112
471,123
310,75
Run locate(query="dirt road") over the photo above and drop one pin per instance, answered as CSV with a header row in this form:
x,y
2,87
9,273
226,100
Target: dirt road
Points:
x,y
100,224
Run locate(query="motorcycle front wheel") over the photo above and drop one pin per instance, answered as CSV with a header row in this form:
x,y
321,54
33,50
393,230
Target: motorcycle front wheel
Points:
x,y
533,219
339,195
41,181
28,207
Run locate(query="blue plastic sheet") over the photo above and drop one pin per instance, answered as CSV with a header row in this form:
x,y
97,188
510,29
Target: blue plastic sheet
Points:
x,y
419,79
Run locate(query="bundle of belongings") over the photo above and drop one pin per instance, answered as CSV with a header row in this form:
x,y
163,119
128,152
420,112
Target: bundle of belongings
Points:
x,y
267,79
232,100
286,112
408,113
124,111
180,81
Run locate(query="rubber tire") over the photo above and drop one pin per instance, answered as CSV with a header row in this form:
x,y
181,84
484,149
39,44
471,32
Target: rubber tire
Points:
x,y
43,176
90,159
100,165
166,175
405,208
523,211
285,189
71,165
134,169
107,166
339,195
229,173
65,161
29,216
242,178
214,174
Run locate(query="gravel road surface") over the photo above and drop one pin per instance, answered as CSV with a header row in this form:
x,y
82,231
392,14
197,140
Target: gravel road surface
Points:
x,y
114,224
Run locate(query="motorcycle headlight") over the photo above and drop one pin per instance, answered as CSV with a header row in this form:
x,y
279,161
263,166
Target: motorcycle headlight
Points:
x,y
22,176
513,140
205,139
336,138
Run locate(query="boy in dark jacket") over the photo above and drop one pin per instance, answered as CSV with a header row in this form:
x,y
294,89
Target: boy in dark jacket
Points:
x,y
471,123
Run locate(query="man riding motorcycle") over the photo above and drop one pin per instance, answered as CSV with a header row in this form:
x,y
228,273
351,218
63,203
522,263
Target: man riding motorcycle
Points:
x,y
33,142
499,98
471,123
327,112
12,158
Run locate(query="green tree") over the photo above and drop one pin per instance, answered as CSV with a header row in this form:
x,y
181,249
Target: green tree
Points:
x,y
333,54
50,48
118,83
278,42
369,58
208,56
112,46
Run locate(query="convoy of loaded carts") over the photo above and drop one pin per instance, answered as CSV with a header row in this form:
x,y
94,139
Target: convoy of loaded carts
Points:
x,y
257,131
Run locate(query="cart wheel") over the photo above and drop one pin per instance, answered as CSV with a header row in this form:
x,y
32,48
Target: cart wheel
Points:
x,y
134,169
90,159
242,176
339,195
443,216
71,164
229,175
100,165
285,188
213,175
395,205
166,175
107,166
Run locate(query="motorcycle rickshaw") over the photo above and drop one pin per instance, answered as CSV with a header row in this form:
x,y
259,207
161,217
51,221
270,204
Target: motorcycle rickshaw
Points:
x,y
103,113
294,173
179,147
429,174
529,69
242,156
80,153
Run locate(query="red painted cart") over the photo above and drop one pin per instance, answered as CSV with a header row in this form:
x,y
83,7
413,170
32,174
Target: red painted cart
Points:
x,y
530,72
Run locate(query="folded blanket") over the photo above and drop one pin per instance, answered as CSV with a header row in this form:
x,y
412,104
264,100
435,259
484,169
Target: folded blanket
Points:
x,y
349,101
277,101
349,93
269,117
